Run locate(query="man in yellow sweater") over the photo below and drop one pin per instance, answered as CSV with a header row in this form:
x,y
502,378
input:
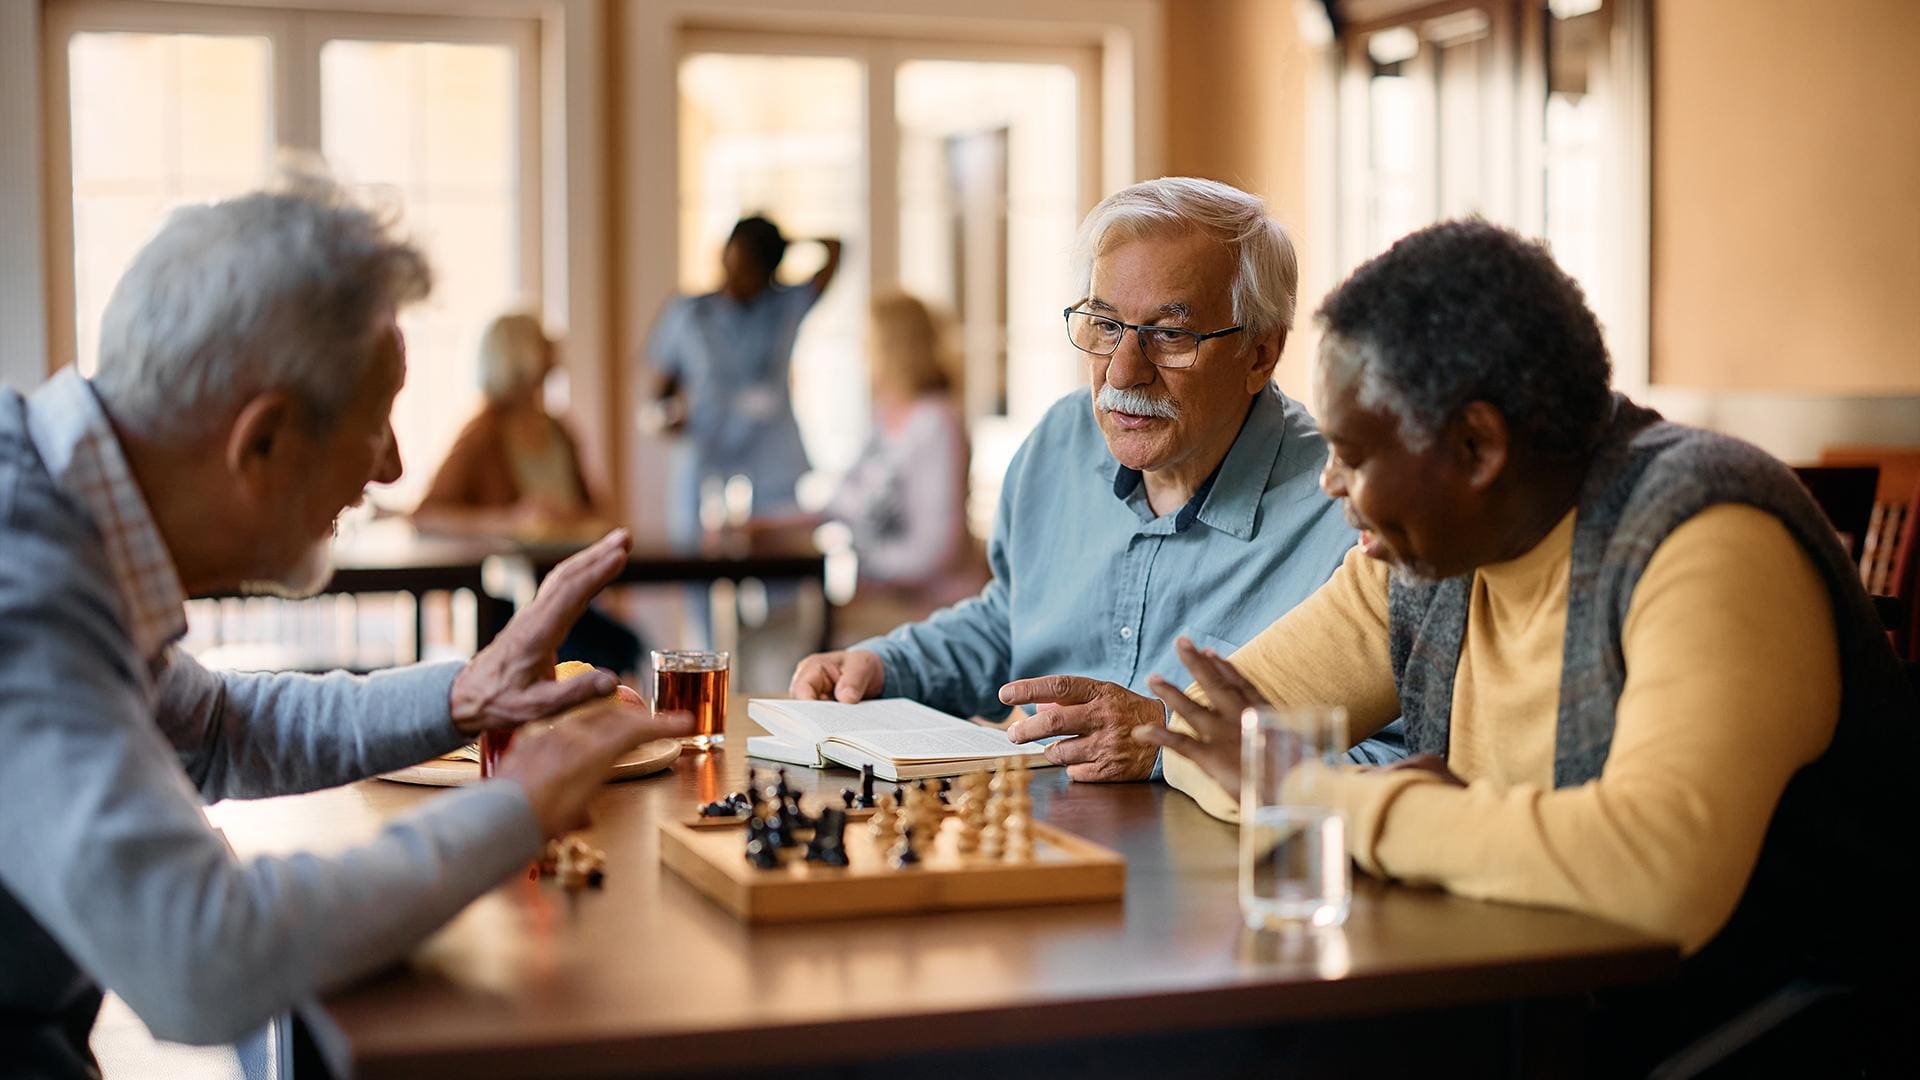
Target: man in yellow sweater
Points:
x,y
1637,671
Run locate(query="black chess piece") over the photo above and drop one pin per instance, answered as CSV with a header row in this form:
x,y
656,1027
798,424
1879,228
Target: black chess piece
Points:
x,y
866,788
719,808
945,786
829,838
847,798
774,827
903,852
760,852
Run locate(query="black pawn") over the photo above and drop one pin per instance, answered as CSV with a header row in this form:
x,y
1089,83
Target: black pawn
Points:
x,y
866,788
847,798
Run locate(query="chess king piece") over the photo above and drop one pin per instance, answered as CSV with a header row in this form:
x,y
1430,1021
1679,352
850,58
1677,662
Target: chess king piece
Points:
x,y
973,811
829,838
993,836
1019,826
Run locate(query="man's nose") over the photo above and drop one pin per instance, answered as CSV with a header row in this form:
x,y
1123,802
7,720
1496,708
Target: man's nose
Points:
x,y
1333,479
1129,366
389,469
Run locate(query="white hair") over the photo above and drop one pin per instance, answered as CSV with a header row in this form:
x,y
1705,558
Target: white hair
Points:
x,y
276,290
1266,271
513,353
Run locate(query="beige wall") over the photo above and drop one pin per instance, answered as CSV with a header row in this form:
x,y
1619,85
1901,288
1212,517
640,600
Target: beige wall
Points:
x,y
1786,196
1237,112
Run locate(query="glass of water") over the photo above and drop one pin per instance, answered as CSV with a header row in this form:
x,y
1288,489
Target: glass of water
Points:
x,y
1293,848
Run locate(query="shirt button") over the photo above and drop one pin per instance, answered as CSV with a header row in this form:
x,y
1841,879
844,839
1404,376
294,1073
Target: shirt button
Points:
x,y
1126,632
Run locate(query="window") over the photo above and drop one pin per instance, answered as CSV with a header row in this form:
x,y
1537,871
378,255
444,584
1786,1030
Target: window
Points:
x,y
1531,115
437,118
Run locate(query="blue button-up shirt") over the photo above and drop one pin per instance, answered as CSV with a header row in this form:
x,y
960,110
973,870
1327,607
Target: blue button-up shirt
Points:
x,y
1088,581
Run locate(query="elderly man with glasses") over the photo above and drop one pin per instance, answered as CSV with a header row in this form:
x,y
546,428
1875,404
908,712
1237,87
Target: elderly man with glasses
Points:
x,y
1178,498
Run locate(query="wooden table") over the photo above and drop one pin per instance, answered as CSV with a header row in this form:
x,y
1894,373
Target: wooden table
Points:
x,y
648,976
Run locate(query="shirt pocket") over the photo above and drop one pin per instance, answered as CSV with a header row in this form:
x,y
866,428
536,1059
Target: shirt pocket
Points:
x,y
1204,640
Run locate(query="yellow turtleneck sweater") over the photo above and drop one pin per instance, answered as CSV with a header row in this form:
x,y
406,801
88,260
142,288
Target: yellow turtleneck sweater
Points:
x,y
1733,683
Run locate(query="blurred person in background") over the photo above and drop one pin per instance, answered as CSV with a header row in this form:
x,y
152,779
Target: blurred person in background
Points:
x,y
515,472
723,362
905,498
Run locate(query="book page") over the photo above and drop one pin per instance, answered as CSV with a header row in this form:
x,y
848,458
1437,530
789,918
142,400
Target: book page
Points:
x,y
822,719
937,744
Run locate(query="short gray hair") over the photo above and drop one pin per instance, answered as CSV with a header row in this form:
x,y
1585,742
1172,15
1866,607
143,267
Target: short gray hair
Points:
x,y
276,290
1266,272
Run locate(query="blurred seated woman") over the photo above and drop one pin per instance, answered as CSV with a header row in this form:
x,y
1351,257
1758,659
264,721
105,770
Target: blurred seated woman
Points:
x,y
905,498
515,472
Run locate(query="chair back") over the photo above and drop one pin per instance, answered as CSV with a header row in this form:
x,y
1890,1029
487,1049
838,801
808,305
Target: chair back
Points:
x,y
1846,495
1893,502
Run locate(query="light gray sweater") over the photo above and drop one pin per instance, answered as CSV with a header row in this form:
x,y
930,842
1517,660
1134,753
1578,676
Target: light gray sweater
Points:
x,y
109,873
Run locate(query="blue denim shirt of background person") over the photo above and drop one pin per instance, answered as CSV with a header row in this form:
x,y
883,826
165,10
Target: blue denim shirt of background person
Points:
x,y
1088,581
733,360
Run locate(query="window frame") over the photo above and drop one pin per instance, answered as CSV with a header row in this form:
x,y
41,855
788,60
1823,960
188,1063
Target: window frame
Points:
x,y
295,37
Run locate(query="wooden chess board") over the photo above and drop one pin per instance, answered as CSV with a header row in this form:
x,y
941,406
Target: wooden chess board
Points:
x,y
1063,869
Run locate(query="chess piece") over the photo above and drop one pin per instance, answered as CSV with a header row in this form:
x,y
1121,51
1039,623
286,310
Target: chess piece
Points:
x,y
1019,831
726,807
973,811
866,788
882,824
906,848
944,788
847,798
993,836
926,817
829,838
759,852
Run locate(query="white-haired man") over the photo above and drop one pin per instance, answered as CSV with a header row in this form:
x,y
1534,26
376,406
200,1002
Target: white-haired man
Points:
x,y
248,364
1183,502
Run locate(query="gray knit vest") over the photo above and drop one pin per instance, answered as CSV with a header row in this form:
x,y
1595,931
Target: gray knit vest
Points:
x,y
1647,478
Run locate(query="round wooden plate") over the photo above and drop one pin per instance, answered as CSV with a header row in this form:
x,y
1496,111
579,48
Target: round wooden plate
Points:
x,y
647,758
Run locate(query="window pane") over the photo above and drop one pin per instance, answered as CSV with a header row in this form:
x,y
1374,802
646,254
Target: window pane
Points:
x,y
989,183
158,120
432,129
785,136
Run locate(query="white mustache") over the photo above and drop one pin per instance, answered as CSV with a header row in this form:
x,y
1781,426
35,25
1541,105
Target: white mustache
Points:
x,y
1136,402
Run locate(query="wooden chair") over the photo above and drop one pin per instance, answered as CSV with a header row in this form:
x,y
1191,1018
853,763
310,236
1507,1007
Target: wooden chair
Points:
x,y
1846,495
1893,503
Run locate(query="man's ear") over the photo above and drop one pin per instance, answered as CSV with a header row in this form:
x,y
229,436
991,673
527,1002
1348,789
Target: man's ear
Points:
x,y
1482,441
258,443
1266,357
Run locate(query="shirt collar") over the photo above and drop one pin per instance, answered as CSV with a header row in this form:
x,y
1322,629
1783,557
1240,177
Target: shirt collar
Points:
x,y
1229,500
77,444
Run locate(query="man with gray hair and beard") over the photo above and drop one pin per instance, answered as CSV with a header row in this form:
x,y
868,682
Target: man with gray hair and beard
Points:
x,y
248,365
1183,503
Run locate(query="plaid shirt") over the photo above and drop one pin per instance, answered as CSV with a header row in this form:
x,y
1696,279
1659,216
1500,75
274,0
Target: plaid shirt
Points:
x,y
77,444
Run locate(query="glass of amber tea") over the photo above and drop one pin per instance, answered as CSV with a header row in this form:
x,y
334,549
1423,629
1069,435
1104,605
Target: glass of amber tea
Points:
x,y
694,683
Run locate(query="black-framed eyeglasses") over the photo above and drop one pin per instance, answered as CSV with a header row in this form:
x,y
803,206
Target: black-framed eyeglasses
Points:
x,y
1165,346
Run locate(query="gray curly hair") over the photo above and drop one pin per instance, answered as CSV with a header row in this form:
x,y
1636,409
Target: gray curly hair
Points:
x,y
1267,272
275,290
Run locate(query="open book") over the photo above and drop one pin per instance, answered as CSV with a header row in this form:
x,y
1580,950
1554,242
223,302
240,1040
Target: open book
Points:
x,y
901,739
